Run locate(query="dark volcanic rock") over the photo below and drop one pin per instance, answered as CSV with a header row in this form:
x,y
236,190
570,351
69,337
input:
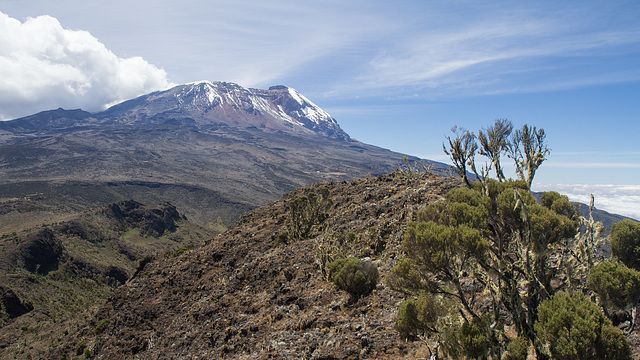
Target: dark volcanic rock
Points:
x,y
153,222
41,251
12,304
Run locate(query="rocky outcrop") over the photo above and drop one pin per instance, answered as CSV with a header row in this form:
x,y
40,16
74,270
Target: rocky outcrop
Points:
x,y
12,304
41,251
152,221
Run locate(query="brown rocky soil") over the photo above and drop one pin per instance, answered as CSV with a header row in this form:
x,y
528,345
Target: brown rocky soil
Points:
x,y
249,295
53,276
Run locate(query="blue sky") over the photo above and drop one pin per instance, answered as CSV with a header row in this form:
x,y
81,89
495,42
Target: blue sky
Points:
x,y
394,74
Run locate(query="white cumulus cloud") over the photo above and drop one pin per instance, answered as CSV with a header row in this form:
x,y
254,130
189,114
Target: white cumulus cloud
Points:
x,y
45,66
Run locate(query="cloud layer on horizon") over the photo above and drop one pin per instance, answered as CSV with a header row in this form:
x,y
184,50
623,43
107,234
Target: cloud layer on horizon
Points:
x,y
45,66
615,199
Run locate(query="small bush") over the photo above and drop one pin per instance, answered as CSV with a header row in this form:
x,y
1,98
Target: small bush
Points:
x,y
615,284
80,347
407,324
418,317
473,336
573,327
354,276
517,349
307,212
283,237
625,242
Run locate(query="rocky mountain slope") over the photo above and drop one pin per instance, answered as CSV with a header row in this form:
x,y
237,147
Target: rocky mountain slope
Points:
x,y
211,149
260,290
52,275
253,293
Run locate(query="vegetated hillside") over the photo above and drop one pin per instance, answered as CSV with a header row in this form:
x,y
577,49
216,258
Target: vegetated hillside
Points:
x,y
53,274
257,292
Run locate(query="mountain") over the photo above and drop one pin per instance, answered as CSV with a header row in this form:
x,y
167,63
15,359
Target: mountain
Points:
x,y
204,105
213,149
207,104
72,224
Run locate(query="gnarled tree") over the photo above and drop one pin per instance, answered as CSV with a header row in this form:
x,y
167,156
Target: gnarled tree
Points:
x,y
462,150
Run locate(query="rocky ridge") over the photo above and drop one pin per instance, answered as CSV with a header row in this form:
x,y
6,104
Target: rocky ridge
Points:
x,y
249,294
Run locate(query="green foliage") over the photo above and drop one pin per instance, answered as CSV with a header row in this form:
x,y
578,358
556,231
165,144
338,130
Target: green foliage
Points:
x,y
518,349
625,242
218,226
473,338
356,277
549,227
283,236
573,327
437,247
615,284
613,344
408,325
417,317
178,252
450,343
494,238
307,211
406,277
560,204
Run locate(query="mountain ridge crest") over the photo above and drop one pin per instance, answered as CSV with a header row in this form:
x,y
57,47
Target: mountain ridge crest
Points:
x,y
202,104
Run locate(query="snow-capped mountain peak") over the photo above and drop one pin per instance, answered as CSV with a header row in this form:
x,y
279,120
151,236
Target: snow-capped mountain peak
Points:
x,y
278,108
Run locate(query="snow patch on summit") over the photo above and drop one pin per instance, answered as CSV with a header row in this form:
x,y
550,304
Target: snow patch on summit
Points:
x,y
310,110
277,105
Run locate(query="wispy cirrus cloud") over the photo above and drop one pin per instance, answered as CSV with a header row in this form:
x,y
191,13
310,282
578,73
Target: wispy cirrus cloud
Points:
x,y
502,49
593,165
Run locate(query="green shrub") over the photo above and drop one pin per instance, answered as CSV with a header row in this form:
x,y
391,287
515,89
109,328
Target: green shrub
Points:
x,y
560,204
307,211
283,237
517,349
418,316
573,327
80,347
473,337
407,324
625,242
354,276
615,283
